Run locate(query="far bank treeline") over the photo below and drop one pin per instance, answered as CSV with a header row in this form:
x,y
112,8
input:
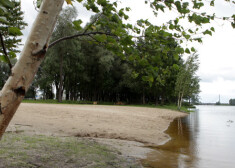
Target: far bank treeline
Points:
x,y
232,102
89,68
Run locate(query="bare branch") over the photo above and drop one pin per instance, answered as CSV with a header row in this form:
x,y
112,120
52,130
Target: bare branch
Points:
x,y
5,52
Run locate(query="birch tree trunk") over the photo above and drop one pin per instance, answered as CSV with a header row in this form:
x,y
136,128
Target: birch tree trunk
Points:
x,y
181,99
30,59
178,104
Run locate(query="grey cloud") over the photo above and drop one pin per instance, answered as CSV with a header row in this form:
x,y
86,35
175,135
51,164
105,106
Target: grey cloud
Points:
x,y
225,73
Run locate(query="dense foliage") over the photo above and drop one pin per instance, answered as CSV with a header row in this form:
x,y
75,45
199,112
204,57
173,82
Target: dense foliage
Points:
x,y
87,69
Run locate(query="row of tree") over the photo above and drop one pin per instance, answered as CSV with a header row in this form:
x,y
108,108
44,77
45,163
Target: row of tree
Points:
x,y
87,69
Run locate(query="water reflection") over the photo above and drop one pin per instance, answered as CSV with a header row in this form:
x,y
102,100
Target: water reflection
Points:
x,y
204,139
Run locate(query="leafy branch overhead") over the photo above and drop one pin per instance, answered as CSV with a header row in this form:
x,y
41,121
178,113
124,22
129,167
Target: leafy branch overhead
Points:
x,y
175,28
108,28
11,24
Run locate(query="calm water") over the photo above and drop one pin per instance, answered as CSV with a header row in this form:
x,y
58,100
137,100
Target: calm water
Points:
x,y
204,139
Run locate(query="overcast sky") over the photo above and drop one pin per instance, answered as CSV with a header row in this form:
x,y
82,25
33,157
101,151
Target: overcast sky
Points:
x,y
216,54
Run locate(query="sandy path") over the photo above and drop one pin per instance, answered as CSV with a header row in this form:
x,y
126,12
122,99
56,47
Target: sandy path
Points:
x,y
116,122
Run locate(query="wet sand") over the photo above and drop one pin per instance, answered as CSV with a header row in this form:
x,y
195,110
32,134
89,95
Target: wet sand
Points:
x,y
135,125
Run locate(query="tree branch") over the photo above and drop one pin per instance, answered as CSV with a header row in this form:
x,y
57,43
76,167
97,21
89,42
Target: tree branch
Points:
x,y
78,35
5,52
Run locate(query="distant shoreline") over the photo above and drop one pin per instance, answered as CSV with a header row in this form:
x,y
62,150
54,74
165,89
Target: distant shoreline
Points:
x,y
222,104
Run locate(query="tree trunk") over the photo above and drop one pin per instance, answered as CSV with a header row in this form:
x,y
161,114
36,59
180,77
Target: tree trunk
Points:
x,y
143,97
67,95
181,98
162,100
156,101
61,78
30,59
57,90
178,103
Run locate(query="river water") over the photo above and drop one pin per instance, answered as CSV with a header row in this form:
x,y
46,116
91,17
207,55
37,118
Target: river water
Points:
x,y
203,139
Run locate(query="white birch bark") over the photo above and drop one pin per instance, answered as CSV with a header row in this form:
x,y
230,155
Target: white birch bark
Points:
x,y
30,59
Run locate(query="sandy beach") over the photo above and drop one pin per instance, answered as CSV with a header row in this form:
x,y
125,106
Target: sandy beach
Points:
x,y
108,124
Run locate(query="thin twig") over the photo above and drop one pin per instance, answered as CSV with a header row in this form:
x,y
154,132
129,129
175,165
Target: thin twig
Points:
x,y
5,52
95,20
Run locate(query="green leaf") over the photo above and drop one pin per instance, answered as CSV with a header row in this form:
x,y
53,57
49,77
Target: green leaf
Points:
x,y
198,39
151,79
12,54
176,56
14,31
148,78
126,17
176,21
193,49
7,3
190,31
39,2
93,7
176,67
207,32
128,9
115,4
187,36
101,38
77,24
187,51
233,25
212,3
171,26
3,59
127,40
69,2
179,50
135,75
213,29
3,19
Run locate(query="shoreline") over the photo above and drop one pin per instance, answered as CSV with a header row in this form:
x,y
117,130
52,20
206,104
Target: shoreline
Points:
x,y
130,130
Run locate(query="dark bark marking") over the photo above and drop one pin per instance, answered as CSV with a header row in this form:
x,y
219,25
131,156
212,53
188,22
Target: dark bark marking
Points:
x,y
20,91
0,109
45,12
41,53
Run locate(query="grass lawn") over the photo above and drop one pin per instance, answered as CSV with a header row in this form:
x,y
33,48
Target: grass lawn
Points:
x,y
22,151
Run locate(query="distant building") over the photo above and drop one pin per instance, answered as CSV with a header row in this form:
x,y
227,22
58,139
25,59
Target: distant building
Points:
x,y
232,101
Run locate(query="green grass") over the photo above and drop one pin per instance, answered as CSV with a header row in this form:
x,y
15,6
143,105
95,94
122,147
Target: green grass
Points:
x,y
170,106
18,150
50,101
